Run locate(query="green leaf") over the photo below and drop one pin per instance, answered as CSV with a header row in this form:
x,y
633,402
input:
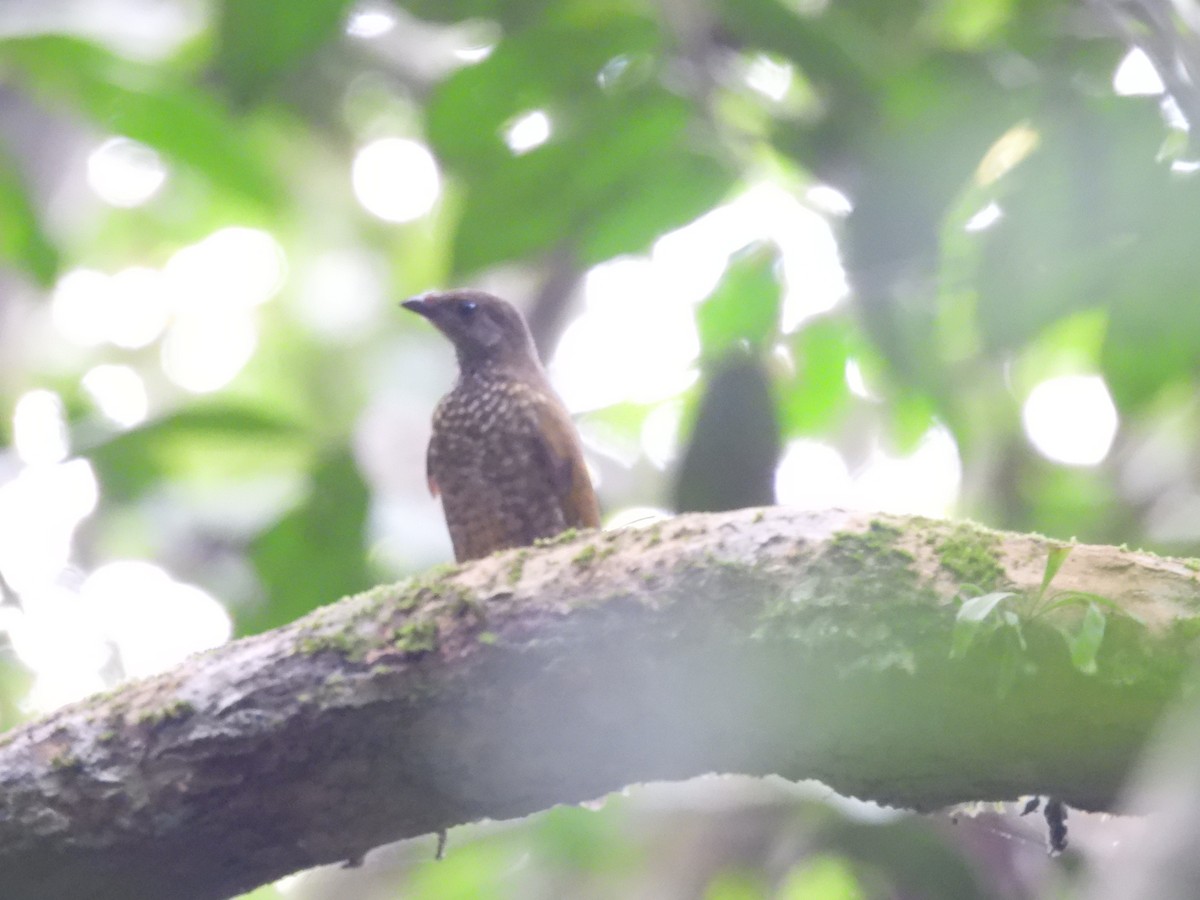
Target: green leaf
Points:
x,y
970,618
744,307
1078,598
146,103
492,228
834,52
554,66
213,442
1125,249
1055,557
963,637
620,165
965,24
910,417
315,553
23,243
619,427
664,195
979,608
597,152
261,41
817,396
1085,645
1013,621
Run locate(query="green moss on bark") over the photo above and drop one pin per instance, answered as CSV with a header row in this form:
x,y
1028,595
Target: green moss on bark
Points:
x,y
969,554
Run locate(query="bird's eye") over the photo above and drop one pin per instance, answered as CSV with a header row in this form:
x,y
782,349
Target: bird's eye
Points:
x,y
466,308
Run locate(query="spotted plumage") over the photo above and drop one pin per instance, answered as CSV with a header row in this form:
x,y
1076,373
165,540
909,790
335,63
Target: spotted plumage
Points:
x,y
504,454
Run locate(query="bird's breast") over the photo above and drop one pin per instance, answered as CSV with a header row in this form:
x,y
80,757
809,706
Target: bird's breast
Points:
x,y
485,414
490,465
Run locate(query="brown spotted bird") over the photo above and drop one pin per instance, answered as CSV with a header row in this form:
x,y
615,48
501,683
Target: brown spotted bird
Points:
x,y
504,455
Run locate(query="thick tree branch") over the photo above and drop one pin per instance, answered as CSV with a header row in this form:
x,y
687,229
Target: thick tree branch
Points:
x,y
769,641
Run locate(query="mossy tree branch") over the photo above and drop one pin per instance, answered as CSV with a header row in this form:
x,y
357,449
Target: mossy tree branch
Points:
x,y
768,641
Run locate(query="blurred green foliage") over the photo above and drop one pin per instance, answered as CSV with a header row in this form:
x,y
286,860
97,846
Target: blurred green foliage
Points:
x,y
248,65
921,113
201,443
622,168
314,553
152,104
23,243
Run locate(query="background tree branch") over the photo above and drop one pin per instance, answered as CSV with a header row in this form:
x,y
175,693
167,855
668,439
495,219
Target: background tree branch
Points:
x,y
759,641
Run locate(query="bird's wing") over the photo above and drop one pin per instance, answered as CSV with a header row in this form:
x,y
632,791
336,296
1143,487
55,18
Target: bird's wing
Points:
x,y
559,443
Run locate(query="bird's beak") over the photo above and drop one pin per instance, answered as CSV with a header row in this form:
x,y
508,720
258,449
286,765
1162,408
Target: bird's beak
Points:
x,y
419,306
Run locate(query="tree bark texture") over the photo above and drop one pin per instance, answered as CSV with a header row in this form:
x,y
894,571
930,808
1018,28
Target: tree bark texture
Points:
x,y
810,645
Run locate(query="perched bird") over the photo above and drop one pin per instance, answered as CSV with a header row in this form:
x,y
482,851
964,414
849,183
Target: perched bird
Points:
x,y
504,455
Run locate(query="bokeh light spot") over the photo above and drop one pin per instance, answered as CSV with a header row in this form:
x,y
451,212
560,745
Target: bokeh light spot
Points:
x,y
154,620
812,475
660,433
696,255
646,306
370,20
204,352
215,285
79,306
232,268
138,307
128,309
829,200
771,77
52,635
39,511
341,292
396,179
925,482
125,173
856,381
1071,419
1136,76
528,130
631,307
39,429
988,216
119,392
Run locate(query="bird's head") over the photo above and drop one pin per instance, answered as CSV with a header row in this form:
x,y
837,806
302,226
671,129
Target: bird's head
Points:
x,y
484,329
